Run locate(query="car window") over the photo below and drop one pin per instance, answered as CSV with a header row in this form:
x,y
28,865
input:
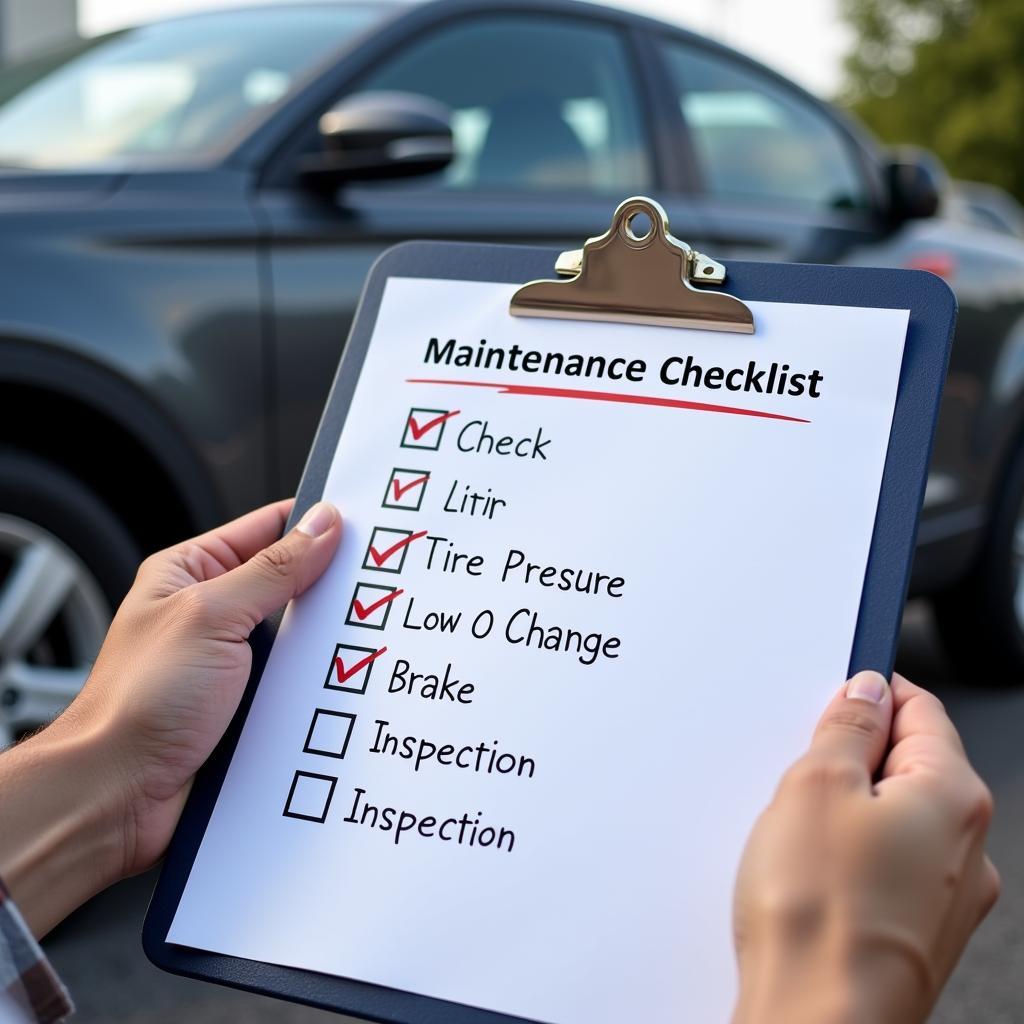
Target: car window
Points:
x,y
756,140
173,90
537,104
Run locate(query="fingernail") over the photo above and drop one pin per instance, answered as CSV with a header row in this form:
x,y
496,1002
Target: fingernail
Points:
x,y
317,520
870,686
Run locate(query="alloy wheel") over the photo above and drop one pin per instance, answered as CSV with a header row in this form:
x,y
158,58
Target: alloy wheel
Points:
x,y
53,618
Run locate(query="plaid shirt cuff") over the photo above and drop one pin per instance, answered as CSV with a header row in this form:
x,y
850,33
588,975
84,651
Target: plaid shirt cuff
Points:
x,y
30,991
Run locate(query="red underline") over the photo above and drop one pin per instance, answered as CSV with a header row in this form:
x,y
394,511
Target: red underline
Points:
x,y
609,396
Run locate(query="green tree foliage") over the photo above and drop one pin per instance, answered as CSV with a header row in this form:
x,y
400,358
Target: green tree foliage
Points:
x,y
944,74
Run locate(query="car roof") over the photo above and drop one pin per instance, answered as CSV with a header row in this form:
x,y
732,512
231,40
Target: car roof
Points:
x,y
250,8
601,9
395,12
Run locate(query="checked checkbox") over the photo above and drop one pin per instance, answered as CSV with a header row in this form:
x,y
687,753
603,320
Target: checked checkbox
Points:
x,y
371,605
406,488
387,548
329,733
310,796
424,428
350,668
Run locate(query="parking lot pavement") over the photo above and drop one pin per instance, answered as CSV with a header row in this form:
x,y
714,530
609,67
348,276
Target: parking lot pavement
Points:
x,y
99,956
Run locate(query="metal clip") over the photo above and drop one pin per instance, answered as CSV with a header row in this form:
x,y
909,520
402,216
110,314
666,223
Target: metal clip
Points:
x,y
701,269
628,278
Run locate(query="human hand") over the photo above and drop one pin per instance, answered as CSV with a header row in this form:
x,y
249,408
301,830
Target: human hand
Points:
x,y
107,781
865,877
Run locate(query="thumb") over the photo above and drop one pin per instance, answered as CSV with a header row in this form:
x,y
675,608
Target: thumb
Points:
x,y
856,725
272,577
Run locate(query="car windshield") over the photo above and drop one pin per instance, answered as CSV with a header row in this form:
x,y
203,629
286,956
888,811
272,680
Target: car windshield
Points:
x,y
171,91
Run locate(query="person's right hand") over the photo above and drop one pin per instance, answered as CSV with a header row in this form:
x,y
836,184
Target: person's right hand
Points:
x,y
865,877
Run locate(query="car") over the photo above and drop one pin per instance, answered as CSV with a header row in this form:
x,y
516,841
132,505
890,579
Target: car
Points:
x,y
987,206
188,210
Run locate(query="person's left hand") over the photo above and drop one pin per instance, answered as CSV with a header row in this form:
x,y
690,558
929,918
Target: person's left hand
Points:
x,y
161,694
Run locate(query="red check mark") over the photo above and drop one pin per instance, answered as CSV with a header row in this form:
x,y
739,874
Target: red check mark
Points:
x,y
381,557
400,489
347,673
418,431
363,611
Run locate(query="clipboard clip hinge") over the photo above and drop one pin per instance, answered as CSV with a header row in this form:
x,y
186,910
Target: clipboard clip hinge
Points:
x,y
626,277
700,269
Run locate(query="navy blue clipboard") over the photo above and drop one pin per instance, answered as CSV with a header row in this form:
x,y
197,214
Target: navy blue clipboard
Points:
x,y
929,336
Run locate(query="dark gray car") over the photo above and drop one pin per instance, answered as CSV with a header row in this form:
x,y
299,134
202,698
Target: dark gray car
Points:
x,y
184,235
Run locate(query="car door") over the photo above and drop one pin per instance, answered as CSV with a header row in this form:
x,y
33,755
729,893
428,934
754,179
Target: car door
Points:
x,y
778,175
551,131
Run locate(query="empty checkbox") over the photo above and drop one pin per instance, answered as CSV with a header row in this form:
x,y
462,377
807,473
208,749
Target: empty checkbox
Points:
x,y
310,796
329,733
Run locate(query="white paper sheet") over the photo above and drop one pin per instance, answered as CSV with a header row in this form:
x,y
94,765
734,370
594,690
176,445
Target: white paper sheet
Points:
x,y
618,792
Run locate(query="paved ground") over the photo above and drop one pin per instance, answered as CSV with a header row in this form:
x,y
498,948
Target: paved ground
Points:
x,y
99,955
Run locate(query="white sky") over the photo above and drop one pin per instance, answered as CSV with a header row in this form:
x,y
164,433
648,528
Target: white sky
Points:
x,y
803,39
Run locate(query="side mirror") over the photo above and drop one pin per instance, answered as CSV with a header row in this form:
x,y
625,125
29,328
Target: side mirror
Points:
x,y
916,182
380,135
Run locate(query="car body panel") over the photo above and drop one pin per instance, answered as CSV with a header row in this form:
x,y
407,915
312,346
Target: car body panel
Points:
x,y
160,288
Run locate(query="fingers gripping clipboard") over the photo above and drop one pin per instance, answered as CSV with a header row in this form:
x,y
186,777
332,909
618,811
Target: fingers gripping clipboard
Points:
x,y
604,560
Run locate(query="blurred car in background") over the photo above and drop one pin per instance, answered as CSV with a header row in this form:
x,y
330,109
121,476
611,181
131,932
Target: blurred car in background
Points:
x,y
986,206
188,210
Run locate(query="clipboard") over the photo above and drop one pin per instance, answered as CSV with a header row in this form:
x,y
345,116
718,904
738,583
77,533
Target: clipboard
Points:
x,y
648,279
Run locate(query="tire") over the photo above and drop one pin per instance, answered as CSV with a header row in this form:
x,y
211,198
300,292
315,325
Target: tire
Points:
x,y
65,563
981,619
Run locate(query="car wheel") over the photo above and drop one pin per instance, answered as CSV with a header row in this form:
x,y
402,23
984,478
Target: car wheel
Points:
x,y
981,620
65,563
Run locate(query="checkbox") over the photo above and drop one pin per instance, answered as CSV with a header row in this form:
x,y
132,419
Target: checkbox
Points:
x,y
388,547
406,488
329,733
310,796
424,428
371,605
350,668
